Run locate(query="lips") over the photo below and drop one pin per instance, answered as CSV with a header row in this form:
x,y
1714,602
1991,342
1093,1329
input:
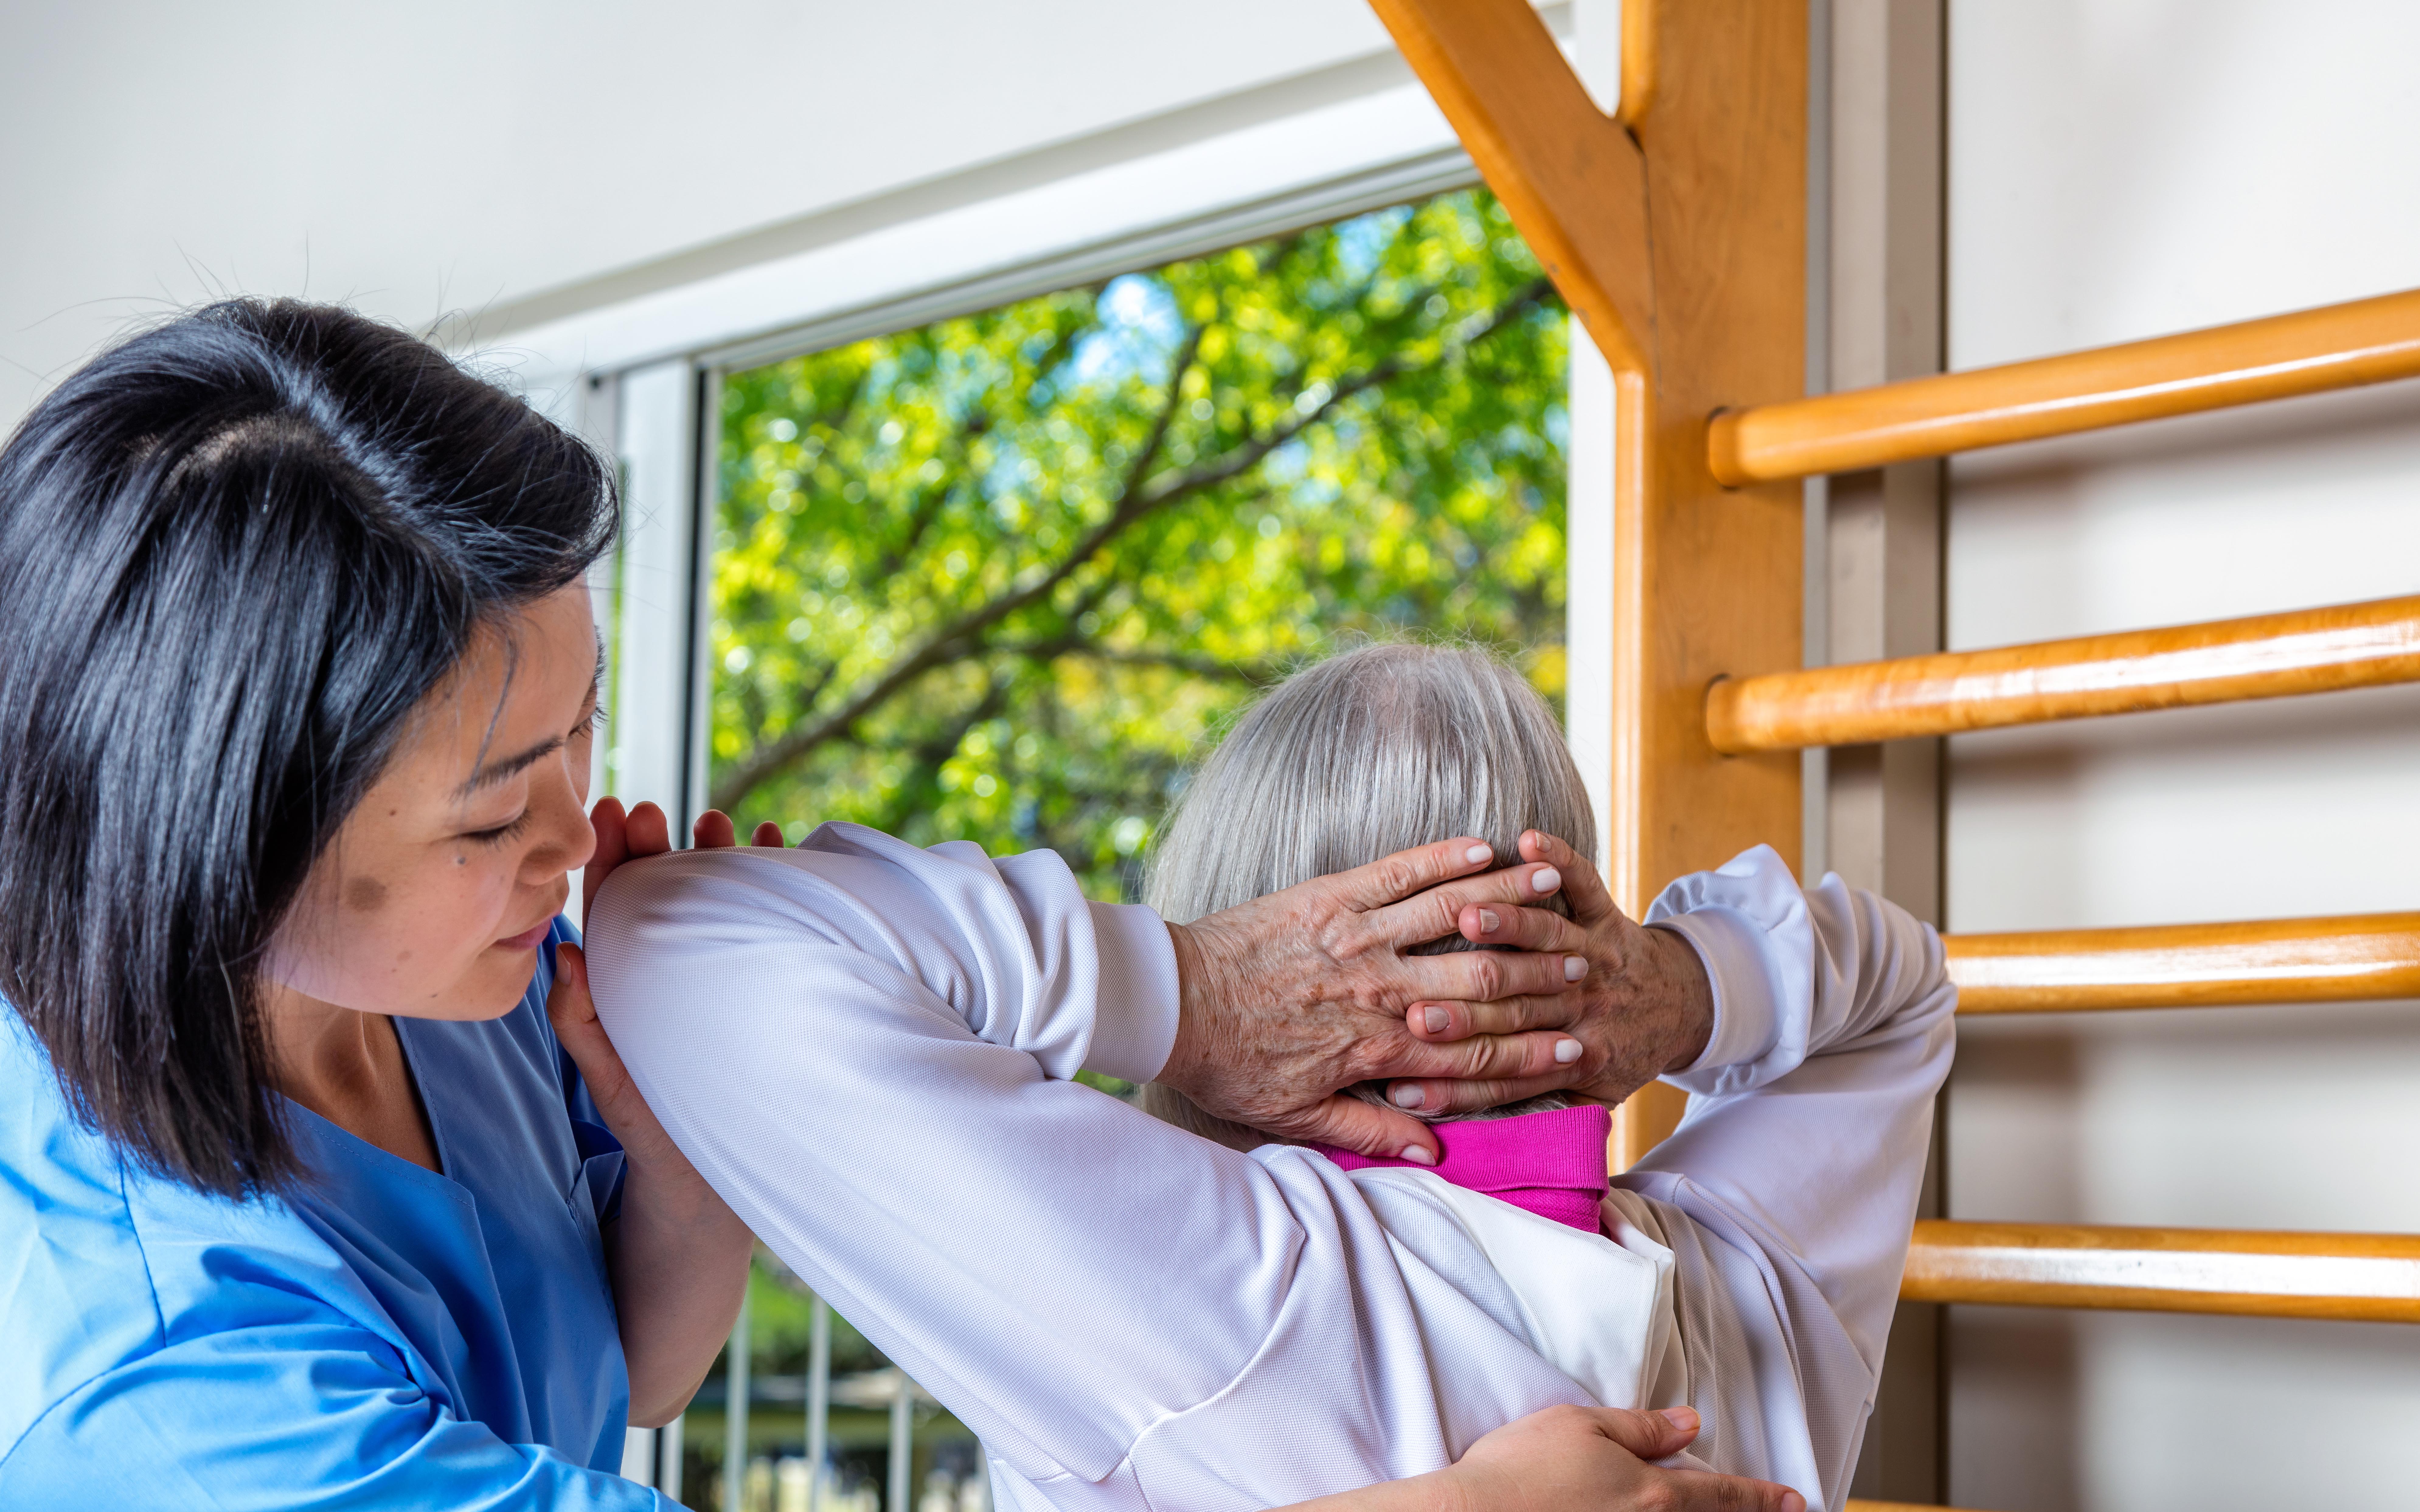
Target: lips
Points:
x,y
527,939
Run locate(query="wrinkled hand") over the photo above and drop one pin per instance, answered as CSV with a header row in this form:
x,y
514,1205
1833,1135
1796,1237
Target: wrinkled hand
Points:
x,y
1289,998
1593,1460
1645,1007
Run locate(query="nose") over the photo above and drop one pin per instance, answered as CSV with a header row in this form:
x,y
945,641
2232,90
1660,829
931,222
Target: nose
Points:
x,y
567,839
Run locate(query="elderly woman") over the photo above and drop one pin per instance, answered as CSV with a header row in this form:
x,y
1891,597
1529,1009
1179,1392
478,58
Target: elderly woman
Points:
x,y
1132,1316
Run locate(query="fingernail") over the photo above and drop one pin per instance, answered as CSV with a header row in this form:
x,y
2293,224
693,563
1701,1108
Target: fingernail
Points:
x,y
1575,967
1479,856
1792,1502
1683,1418
1407,1096
1418,1155
1438,1020
1566,1050
1545,880
1488,921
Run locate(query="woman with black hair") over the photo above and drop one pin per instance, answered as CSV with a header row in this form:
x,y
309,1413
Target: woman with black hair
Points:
x,y
302,1199
320,1185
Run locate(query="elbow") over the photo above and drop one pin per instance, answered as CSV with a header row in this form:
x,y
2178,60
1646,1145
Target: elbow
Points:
x,y
658,1414
654,1408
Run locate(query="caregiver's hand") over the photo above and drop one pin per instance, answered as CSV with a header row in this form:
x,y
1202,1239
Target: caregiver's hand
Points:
x,y
677,1253
1291,998
621,838
1572,1459
1644,1009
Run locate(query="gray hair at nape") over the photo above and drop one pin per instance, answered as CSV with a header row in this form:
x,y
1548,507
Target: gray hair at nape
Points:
x,y
1370,751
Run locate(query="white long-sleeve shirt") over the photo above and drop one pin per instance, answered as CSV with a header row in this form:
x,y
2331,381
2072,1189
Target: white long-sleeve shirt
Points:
x,y
868,1049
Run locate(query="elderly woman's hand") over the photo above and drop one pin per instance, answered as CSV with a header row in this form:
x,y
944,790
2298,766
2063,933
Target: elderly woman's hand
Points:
x,y
1572,1459
1292,997
1644,1009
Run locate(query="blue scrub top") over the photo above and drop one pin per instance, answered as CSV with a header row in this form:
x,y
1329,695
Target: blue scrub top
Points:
x,y
387,1337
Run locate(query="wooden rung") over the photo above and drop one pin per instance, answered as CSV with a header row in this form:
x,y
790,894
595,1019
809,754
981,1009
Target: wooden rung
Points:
x,y
2266,655
2188,966
2335,346
2368,1277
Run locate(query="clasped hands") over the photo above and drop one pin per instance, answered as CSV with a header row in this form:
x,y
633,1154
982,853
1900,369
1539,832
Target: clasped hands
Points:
x,y
1291,998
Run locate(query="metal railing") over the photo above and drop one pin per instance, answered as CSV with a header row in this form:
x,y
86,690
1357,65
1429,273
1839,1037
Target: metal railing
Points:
x,y
809,1482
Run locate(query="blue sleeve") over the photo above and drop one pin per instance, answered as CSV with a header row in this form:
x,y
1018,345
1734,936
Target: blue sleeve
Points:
x,y
600,1153
307,1410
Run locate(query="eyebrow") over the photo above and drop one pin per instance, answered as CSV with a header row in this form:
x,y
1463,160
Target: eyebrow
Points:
x,y
512,766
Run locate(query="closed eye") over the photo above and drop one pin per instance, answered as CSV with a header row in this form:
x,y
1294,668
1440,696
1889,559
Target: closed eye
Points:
x,y
501,833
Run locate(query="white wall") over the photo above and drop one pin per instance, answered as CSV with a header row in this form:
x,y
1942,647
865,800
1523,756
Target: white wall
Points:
x,y
2120,168
541,158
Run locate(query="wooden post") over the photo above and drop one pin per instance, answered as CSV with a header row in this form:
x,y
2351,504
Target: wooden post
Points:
x,y
1677,234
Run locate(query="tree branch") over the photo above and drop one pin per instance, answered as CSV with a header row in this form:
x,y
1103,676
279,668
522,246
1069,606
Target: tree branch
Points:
x,y
929,754
1061,347
1256,674
1168,490
928,509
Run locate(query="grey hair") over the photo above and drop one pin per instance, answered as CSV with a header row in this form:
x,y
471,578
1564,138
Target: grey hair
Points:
x,y
1371,751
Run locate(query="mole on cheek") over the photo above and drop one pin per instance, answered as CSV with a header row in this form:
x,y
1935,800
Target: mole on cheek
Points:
x,y
365,894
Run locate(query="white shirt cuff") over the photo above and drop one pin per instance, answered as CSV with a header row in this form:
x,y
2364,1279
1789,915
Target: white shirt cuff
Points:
x,y
1749,924
1134,1027
1732,950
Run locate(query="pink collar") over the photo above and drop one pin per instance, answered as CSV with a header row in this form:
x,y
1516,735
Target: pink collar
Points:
x,y
1550,1164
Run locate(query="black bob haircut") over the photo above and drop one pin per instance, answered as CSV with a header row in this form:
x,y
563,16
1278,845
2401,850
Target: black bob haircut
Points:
x,y
236,552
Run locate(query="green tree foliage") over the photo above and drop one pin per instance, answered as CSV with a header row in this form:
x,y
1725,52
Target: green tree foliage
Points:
x,y
998,577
